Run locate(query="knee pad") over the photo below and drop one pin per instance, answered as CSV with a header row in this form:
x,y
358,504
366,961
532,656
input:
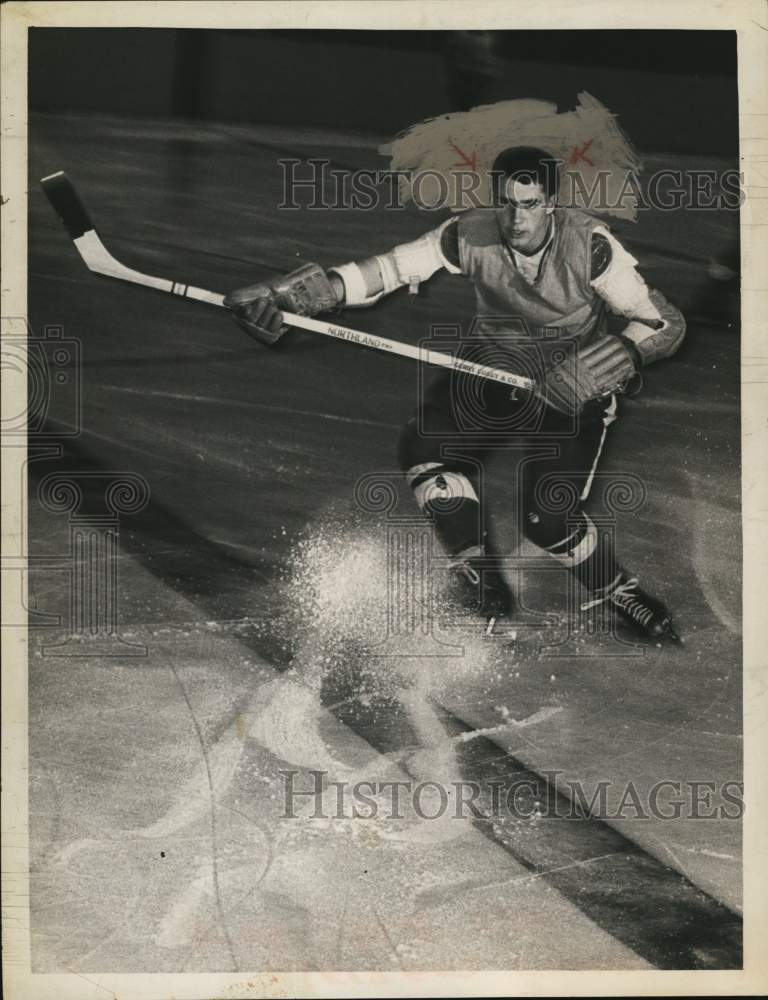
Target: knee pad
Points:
x,y
449,499
571,541
542,528
439,489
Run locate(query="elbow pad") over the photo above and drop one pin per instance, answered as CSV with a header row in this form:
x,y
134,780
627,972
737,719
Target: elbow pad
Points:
x,y
620,286
653,344
408,264
656,327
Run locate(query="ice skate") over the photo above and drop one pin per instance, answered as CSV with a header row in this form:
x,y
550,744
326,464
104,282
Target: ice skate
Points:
x,y
647,615
484,592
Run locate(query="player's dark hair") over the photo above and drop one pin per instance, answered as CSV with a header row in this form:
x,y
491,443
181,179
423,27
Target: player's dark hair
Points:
x,y
524,163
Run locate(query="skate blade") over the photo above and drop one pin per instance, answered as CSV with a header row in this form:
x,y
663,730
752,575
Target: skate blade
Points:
x,y
490,630
671,635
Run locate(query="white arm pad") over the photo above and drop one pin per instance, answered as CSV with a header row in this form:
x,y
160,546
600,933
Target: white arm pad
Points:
x,y
408,264
621,287
656,327
355,286
662,342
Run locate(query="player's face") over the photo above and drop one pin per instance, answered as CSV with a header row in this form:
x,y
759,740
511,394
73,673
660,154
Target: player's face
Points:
x,y
523,212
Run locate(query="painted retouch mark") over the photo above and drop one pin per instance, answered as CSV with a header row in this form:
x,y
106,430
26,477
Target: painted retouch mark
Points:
x,y
587,142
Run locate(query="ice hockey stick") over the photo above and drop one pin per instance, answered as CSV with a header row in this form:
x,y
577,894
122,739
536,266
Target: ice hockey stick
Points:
x,y
69,207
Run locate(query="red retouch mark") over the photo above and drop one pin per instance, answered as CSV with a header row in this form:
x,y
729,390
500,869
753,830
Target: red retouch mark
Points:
x,y
466,161
579,154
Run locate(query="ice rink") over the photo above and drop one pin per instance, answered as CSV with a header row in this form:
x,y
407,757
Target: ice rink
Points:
x,y
254,579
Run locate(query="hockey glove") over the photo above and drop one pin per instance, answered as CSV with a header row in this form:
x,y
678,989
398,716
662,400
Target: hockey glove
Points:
x,y
257,308
599,370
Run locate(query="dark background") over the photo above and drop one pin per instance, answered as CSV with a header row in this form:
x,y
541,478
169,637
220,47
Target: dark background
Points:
x,y
673,91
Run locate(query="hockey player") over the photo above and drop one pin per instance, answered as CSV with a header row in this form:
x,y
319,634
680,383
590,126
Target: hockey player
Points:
x,y
554,275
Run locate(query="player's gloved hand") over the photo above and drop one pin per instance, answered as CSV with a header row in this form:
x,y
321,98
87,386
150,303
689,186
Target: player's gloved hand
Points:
x,y
261,318
258,309
598,370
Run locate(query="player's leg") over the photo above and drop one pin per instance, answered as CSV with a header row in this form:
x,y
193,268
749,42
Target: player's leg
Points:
x,y
553,489
570,536
449,491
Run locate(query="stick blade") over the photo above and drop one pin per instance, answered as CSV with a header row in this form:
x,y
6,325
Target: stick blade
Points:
x,y
66,202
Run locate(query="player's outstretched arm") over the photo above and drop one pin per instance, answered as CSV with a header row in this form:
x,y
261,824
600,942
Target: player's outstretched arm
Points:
x,y
408,264
311,289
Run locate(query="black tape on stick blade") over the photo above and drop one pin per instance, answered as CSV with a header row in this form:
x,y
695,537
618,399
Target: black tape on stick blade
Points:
x,y
66,203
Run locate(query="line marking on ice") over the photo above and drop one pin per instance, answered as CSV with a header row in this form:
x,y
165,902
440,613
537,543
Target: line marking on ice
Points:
x,y
531,720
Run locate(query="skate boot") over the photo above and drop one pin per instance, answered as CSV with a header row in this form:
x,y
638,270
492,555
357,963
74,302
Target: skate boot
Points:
x,y
647,615
483,590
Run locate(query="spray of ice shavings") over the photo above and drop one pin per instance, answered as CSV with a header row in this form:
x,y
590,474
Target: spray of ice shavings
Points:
x,y
288,725
339,590
337,593
588,141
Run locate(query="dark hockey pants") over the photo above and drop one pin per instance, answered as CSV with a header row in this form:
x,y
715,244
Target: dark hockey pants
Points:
x,y
461,422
